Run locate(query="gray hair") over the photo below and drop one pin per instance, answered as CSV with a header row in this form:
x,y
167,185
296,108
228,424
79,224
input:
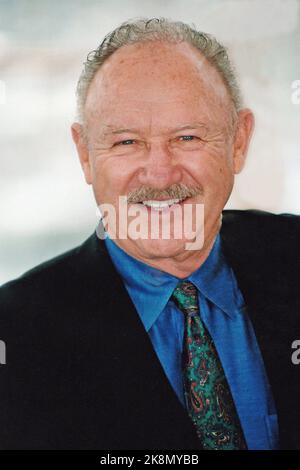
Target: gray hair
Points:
x,y
158,29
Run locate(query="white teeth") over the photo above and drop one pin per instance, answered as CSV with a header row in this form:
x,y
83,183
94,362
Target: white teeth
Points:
x,y
157,205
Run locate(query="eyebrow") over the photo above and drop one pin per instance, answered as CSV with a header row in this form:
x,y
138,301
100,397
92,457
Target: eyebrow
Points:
x,y
121,131
114,131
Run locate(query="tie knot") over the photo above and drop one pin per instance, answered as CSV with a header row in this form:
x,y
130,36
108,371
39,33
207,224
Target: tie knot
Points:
x,y
185,296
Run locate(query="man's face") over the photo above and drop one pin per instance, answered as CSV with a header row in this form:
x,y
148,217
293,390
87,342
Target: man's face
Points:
x,y
158,117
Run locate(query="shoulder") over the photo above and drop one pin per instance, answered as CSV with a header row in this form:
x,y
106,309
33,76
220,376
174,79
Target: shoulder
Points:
x,y
47,285
261,220
42,275
262,229
263,247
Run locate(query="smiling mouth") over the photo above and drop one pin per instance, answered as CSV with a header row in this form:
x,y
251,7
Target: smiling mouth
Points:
x,y
162,204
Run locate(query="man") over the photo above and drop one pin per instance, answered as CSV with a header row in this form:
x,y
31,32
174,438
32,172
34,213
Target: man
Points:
x,y
147,342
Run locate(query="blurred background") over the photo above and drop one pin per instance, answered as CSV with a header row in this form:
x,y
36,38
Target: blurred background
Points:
x,y
45,205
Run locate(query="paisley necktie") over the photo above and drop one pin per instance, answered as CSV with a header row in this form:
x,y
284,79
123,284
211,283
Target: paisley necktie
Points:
x,y
207,393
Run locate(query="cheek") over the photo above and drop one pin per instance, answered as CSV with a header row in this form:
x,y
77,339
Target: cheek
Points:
x,y
215,174
207,165
221,178
110,176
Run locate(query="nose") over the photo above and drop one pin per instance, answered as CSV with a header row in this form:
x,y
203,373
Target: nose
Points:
x,y
159,169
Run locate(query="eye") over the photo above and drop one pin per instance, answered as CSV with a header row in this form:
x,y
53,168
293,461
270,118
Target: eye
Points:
x,y
125,142
188,138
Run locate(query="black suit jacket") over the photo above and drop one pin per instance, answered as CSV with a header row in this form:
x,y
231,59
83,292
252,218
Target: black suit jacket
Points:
x,y
81,372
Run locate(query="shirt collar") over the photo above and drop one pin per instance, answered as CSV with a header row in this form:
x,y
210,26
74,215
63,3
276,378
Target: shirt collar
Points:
x,y
216,281
151,288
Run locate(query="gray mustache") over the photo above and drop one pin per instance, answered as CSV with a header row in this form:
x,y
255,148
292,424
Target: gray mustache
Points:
x,y
176,191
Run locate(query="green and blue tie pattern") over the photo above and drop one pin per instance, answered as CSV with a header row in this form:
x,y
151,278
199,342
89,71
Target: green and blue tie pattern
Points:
x,y
208,397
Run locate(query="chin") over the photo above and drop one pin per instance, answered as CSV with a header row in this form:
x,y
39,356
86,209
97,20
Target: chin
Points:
x,y
161,248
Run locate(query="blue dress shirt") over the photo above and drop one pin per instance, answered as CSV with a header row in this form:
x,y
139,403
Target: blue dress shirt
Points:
x,y
223,311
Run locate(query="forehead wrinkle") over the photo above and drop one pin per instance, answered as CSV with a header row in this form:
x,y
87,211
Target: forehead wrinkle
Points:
x,y
133,106
111,129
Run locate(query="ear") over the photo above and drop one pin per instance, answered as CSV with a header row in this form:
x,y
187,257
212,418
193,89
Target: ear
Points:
x,y
243,134
82,150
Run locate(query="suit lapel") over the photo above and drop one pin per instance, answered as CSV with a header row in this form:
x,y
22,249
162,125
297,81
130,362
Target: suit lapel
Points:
x,y
153,409
274,318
